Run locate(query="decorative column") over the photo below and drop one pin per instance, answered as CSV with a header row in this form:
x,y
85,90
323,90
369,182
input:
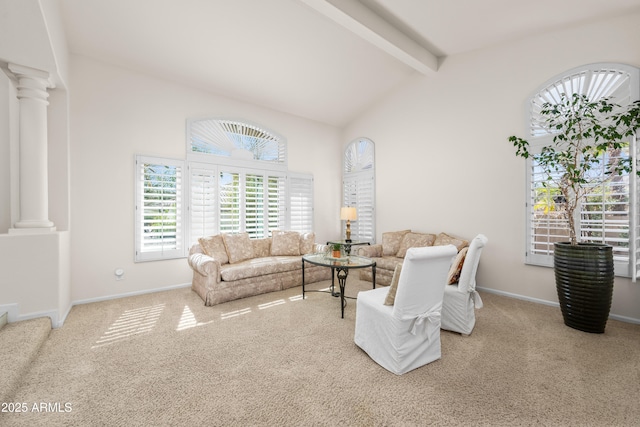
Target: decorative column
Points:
x,y
34,186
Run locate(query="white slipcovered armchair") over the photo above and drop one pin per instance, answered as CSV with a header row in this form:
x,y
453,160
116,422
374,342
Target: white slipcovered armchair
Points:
x,y
461,299
406,335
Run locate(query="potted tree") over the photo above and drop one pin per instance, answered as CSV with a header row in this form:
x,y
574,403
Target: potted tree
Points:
x,y
587,133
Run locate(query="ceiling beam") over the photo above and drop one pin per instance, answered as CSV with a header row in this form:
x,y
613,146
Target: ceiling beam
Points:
x,y
362,21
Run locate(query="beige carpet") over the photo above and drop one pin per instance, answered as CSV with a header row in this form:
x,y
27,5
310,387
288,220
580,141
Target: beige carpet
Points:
x,y
275,360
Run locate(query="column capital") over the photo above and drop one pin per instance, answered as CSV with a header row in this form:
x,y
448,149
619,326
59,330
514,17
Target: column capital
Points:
x,y
24,71
32,83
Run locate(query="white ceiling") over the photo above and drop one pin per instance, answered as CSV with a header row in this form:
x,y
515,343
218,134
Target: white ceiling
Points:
x,y
325,60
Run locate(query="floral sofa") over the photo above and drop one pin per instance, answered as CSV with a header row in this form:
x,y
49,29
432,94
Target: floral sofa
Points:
x,y
233,266
393,248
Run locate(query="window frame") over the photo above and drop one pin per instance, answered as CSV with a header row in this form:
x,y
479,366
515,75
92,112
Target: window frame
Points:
x,y
359,189
276,186
142,253
538,139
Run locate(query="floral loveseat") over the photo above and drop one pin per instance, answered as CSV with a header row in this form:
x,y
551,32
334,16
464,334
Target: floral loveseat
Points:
x,y
232,266
393,248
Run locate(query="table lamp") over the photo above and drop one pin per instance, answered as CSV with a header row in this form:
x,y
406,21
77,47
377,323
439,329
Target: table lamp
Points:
x,y
348,214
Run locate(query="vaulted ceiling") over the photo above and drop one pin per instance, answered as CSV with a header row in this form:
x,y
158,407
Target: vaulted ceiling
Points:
x,y
326,60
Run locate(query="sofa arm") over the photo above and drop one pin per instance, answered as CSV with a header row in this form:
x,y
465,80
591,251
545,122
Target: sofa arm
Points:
x,y
373,251
205,265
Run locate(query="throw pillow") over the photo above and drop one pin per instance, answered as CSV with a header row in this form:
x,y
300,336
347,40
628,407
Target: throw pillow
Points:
x,y
261,247
391,295
307,241
444,239
285,243
239,247
415,240
456,267
214,247
391,242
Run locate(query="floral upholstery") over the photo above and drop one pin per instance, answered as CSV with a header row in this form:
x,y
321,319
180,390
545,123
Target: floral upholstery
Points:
x,y
415,240
239,247
261,247
391,242
394,246
307,243
456,267
285,243
214,247
259,267
249,268
444,239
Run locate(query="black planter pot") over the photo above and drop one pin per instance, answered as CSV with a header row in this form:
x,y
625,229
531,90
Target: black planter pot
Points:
x,y
584,281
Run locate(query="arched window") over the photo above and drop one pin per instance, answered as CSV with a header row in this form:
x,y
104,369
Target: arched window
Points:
x,y
608,215
358,188
234,179
232,138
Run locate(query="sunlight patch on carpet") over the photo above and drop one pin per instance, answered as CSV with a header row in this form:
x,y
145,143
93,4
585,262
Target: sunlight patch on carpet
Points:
x,y
188,320
131,323
271,304
235,313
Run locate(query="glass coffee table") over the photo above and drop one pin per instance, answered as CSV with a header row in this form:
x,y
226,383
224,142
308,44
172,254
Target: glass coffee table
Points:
x,y
339,267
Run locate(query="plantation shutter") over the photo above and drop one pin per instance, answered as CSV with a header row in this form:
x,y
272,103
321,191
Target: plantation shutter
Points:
x,y
203,204
604,215
229,198
358,188
159,208
232,138
546,225
358,192
635,211
276,202
254,205
301,202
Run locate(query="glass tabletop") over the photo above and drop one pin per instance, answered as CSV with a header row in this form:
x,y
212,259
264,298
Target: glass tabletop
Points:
x,y
351,261
345,242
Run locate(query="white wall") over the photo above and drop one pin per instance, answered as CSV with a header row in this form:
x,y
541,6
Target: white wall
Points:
x,y
35,275
5,153
443,161
116,114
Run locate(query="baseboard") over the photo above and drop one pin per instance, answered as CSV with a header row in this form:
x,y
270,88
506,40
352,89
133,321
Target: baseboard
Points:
x,y
552,303
130,294
12,311
13,315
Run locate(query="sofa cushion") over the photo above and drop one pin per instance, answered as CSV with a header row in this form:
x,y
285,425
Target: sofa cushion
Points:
x,y
369,251
391,295
239,247
307,243
444,239
391,242
214,247
415,240
388,263
285,243
261,247
456,267
257,267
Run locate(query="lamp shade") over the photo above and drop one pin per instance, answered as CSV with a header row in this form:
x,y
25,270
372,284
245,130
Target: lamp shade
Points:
x,y
347,213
